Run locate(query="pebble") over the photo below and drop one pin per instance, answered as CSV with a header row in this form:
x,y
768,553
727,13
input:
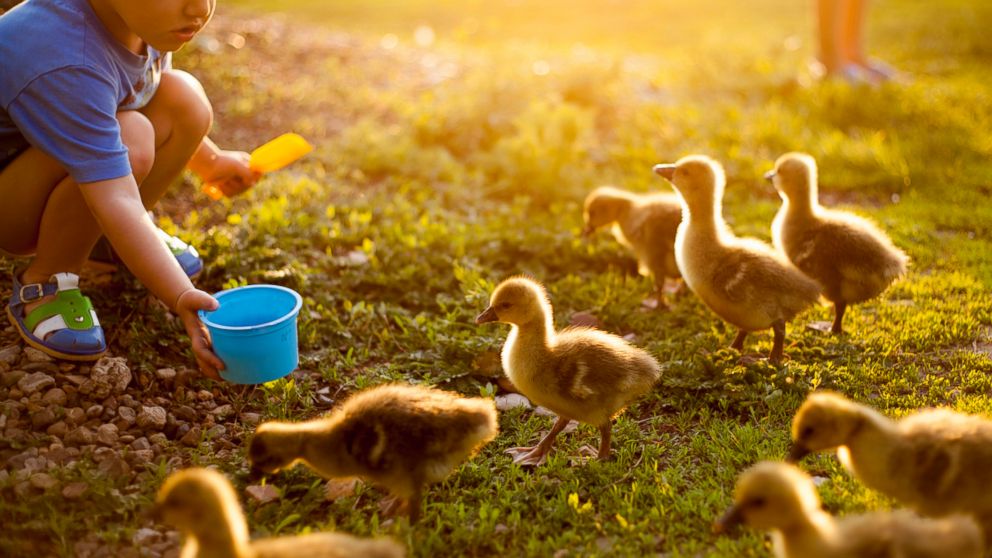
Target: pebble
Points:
x,y
42,419
262,494
75,490
59,429
94,411
145,536
127,414
166,374
79,436
55,396
512,401
192,438
35,382
251,419
151,418
112,371
34,355
10,354
158,438
43,481
8,379
107,434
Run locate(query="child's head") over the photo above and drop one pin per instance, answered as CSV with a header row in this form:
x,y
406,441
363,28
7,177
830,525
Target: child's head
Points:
x,y
166,25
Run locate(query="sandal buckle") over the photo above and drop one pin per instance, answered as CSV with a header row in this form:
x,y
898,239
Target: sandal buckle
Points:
x,y
37,293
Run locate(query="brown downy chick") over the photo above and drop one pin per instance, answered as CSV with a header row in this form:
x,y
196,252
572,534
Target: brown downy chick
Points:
x,y
202,504
579,373
402,437
644,223
778,497
743,280
849,256
936,461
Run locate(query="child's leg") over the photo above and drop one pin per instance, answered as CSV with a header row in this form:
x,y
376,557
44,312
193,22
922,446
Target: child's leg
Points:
x,y
44,212
829,20
853,32
181,115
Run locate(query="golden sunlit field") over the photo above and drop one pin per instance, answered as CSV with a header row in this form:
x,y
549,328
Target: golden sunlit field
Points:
x,y
455,143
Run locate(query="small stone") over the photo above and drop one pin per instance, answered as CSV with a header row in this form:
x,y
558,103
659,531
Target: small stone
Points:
x,y
54,396
512,401
43,481
75,490
204,395
185,412
127,414
544,412
9,354
158,438
262,494
75,415
339,488
107,435
141,444
145,536
166,374
42,419
58,429
223,411
151,418
114,466
94,411
8,379
35,382
216,431
251,419
113,372
192,438
142,457
34,355
81,436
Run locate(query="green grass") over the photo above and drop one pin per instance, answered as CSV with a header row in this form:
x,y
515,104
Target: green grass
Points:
x,y
453,165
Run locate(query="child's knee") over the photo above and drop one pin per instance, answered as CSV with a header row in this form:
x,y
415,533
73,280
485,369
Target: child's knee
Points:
x,y
193,112
138,135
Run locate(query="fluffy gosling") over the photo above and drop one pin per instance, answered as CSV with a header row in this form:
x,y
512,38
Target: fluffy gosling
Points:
x,y
743,280
936,461
202,504
579,373
402,437
782,499
644,223
849,256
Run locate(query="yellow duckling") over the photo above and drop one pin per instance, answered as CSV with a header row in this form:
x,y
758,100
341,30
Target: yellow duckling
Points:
x,y
782,499
644,223
936,462
743,280
578,373
402,437
202,504
849,256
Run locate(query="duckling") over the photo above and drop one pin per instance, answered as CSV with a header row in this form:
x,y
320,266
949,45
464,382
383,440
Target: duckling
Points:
x,y
579,373
644,223
202,504
743,280
402,437
849,256
781,498
936,461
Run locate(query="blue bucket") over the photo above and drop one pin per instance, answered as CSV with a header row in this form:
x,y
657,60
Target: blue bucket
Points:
x,y
254,332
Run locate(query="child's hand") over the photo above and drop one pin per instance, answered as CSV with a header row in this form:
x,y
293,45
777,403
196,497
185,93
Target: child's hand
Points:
x,y
230,172
186,306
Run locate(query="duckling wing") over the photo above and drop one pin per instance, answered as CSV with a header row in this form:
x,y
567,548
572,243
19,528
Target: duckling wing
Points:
x,y
752,274
596,373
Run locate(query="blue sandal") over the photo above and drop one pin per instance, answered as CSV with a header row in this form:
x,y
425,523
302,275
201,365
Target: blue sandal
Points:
x,y
186,255
65,327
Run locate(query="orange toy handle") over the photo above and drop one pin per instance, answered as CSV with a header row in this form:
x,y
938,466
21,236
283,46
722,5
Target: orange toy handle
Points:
x,y
273,155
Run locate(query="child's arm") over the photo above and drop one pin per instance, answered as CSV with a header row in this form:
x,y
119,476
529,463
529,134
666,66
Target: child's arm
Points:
x,y
117,208
228,169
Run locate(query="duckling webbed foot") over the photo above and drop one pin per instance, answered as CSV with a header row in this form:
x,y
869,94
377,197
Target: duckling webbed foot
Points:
x,y
536,455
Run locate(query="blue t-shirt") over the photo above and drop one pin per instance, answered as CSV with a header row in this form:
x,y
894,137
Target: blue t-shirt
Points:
x,y
63,78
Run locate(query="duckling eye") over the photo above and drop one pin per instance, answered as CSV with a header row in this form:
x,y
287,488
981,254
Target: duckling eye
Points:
x,y
504,305
807,432
757,503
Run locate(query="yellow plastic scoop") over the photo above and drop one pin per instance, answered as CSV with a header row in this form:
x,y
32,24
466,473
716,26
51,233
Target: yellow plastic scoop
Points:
x,y
271,156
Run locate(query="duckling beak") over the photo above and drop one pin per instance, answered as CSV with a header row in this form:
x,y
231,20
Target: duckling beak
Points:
x,y
796,453
770,175
667,171
488,316
730,519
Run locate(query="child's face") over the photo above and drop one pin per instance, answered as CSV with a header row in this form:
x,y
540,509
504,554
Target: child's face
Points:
x,y
166,25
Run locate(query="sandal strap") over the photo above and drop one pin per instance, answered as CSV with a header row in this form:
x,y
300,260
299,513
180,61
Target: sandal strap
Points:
x,y
34,291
